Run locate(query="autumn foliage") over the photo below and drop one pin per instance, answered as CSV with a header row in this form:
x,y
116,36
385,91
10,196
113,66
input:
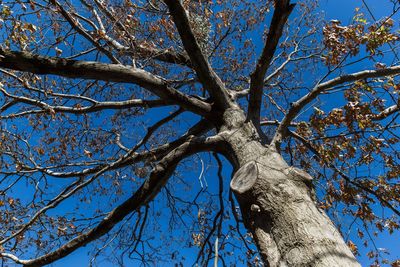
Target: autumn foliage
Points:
x,y
99,96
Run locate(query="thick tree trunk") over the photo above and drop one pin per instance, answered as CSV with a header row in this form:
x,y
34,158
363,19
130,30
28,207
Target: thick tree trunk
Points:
x,y
277,205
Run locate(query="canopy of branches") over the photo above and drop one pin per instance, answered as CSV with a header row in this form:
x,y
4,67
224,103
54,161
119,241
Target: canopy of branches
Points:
x,y
100,100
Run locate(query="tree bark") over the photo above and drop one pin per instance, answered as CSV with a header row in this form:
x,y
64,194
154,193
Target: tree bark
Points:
x,y
277,204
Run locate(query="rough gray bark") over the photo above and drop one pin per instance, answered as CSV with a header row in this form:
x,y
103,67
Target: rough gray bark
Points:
x,y
277,204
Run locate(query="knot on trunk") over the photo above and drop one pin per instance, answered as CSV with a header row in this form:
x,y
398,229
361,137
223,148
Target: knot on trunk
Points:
x,y
255,208
233,118
302,176
244,178
299,174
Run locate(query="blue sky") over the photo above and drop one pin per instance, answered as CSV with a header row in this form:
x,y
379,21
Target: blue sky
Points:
x,y
334,9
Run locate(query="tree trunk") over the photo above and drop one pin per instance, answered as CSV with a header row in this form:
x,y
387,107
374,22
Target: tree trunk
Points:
x,y
277,204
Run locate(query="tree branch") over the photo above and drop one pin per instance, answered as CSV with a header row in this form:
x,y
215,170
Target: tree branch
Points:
x,y
28,62
165,55
343,175
385,113
80,183
82,31
320,88
97,106
197,130
146,193
283,8
209,79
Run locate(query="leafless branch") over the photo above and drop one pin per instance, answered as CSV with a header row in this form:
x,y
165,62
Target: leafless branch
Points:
x,y
101,71
283,8
76,25
207,76
297,106
149,189
344,176
165,55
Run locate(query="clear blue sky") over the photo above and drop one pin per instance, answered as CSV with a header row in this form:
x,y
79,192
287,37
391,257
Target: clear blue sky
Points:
x,y
334,9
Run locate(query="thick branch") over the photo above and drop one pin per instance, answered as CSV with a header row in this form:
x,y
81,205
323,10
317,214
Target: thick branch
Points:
x,y
283,8
28,62
297,106
206,74
98,106
149,189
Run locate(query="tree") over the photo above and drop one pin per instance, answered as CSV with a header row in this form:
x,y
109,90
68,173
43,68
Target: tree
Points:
x,y
81,79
